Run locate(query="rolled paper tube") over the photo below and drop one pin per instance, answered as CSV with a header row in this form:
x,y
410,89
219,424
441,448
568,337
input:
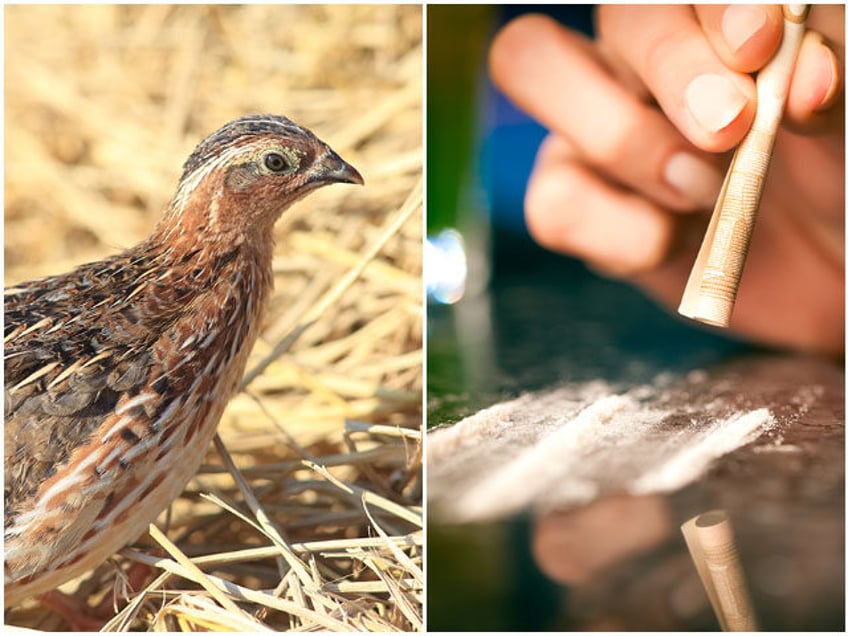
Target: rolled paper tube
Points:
x,y
710,540
710,292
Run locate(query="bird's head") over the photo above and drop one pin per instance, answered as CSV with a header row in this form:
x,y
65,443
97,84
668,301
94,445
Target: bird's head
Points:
x,y
246,174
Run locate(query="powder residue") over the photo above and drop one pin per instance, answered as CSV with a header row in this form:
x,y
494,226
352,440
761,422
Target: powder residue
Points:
x,y
573,444
692,460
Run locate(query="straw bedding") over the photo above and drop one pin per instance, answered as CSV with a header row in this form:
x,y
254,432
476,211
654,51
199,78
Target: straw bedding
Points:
x,y
307,512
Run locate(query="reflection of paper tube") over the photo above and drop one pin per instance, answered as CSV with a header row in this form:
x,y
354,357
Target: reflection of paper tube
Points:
x,y
709,538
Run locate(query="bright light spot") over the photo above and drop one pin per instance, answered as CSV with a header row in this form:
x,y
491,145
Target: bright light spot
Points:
x,y
445,267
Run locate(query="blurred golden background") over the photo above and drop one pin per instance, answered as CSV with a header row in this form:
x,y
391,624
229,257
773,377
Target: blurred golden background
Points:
x,y
103,105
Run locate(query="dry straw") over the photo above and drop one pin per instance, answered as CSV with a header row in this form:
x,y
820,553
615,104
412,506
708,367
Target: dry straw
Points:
x,y
307,513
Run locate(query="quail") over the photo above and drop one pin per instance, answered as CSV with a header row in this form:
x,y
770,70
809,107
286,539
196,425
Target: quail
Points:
x,y
117,373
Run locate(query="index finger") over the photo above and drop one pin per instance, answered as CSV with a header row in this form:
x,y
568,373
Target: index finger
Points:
x,y
710,103
558,77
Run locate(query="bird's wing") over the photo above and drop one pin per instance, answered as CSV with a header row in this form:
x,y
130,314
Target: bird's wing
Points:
x,y
71,351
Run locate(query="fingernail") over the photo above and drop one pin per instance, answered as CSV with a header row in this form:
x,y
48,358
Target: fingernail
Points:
x,y
694,178
739,24
714,101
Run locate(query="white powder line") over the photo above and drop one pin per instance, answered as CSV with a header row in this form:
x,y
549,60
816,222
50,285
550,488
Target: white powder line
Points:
x,y
691,461
500,418
471,429
568,446
520,481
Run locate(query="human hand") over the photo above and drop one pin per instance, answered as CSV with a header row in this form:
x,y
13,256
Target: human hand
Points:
x,y
637,118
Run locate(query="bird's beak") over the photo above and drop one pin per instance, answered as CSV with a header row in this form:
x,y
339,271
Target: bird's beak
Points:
x,y
334,169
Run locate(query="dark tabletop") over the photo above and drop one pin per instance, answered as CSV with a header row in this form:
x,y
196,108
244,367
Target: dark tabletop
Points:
x,y
620,562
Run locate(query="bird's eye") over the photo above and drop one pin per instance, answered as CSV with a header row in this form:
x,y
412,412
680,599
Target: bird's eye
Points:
x,y
275,162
